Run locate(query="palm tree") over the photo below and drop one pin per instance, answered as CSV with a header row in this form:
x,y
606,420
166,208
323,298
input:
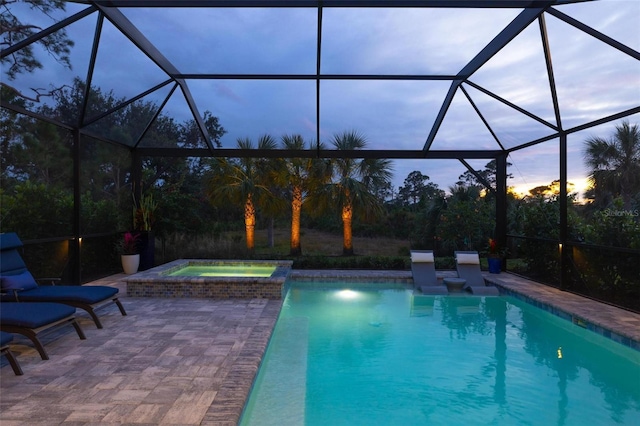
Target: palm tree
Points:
x,y
245,180
615,164
353,185
300,175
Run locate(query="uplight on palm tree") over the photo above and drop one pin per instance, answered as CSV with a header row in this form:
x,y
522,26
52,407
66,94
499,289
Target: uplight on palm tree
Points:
x,y
354,183
245,180
300,175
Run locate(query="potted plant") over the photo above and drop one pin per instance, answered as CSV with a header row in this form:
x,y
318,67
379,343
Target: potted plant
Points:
x,y
129,254
144,217
495,256
144,213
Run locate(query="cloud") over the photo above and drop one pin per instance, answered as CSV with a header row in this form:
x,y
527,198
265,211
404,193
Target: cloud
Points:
x,y
225,91
404,41
308,124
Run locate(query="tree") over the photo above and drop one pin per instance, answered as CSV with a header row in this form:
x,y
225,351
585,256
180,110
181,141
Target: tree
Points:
x,y
551,190
192,137
417,190
353,185
614,165
414,186
244,181
38,152
466,219
34,210
13,30
299,175
488,175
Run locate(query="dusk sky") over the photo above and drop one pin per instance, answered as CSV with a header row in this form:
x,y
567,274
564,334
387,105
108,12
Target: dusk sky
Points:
x,y
593,79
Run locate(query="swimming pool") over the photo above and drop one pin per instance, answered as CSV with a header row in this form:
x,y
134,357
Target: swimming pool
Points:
x,y
365,355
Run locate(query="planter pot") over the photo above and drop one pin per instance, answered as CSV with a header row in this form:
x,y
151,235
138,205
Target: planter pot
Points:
x,y
130,263
147,246
495,265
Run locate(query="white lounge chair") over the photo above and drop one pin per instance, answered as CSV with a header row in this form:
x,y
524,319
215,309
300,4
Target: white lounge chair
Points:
x,y
468,267
423,270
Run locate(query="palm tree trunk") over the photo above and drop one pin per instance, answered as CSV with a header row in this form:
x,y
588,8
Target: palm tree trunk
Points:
x,y
250,222
296,207
347,216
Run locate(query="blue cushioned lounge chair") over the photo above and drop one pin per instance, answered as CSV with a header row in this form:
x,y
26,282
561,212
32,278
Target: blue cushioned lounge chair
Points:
x,y
5,339
423,270
468,267
34,319
19,285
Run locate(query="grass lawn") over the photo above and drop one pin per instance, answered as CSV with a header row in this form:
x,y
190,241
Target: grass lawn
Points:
x,y
315,243
232,245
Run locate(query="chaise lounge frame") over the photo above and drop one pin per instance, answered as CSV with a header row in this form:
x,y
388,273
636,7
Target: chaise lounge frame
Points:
x,y
14,324
5,339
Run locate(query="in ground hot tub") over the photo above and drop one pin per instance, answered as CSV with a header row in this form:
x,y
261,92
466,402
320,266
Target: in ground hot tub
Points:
x,y
205,278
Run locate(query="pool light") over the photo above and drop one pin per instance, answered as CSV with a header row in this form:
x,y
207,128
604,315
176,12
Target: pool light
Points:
x,y
347,294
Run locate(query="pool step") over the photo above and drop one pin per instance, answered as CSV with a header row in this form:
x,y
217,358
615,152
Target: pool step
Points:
x,y
284,398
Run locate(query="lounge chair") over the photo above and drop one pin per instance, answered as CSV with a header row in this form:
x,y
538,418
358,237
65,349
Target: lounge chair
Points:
x,y
20,285
423,270
5,339
32,319
468,267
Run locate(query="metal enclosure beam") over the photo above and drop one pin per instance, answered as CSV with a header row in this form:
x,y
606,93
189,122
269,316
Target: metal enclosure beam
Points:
x,y
501,203
52,29
336,3
564,250
515,27
319,153
75,257
132,33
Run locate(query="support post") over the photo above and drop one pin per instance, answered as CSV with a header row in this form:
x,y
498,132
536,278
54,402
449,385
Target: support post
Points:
x,y
136,177
75,252
501,203
564,264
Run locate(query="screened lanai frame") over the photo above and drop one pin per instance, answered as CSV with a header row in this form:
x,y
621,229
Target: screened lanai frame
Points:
x,y
530,12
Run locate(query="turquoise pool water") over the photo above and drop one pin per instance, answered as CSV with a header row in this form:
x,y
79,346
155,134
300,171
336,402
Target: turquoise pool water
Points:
x,y
241,270
367,356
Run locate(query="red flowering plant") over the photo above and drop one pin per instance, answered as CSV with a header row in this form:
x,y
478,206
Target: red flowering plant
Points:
x,y
128,244
493,250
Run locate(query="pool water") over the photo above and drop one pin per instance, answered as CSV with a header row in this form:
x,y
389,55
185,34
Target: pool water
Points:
x,y
241,270
370,356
